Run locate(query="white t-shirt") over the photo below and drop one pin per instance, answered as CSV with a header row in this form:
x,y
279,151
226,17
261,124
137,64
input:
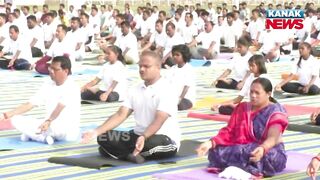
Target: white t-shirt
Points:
x,y
114,72
254,27
176,39
285,36
60,48
49,31
76,37
129,41
19,45
145,101
95,22
37,33
308,68
88,31
189,32
269,40
146,26
239,66
158,39
245,91
207,38
229,35
180,77
117,33
68,94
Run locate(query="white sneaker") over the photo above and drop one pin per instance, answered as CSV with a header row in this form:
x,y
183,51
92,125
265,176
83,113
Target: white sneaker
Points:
x,y
24,138
49,140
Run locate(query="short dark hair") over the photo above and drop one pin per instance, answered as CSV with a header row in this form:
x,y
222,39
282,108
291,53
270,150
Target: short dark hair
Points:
x,y
75,19
64,27
85,14
159,22
65,62
14,27
3,15
230,14
126,24
184,50
32,18
170,24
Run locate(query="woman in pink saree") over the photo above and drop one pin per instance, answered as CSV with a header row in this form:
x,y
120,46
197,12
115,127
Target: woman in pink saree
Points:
x,y
252,139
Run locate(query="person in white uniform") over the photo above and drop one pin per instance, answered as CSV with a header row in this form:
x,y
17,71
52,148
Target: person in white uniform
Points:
x,y
113,78
61,97
156,134
307,69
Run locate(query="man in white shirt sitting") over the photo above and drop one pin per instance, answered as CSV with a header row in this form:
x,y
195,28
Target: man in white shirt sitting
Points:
x,y
229,35
61,46
77,38
20,50
61,97
157,39
156,134
36,36
210,40
128,44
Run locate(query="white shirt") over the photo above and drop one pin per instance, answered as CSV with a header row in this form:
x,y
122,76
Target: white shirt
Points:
x,y
67,94
49,31
145,101
245,91
19,45
269,40
129,41
158,39
207,38
189,32
60,48
229,35
240,66
308,68
146,26
76,37
37,33
87,32
114,72
4,32
254,27
95,22
176,39
180,77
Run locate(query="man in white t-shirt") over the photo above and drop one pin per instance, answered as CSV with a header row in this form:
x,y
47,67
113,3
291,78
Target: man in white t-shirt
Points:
x,y
61,97
128,44
157,39
173,38
49,30
77,38
210,40
61,46
229,35
190,31
20,50
156,134
87,31
255,27
36,37
4,30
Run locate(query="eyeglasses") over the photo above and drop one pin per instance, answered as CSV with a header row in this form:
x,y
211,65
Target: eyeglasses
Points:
x,y
51,69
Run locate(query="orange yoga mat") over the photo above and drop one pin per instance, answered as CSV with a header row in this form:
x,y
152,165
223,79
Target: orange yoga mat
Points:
x,y
285,76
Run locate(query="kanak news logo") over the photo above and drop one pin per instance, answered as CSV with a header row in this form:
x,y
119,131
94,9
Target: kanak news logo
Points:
x,y
284,19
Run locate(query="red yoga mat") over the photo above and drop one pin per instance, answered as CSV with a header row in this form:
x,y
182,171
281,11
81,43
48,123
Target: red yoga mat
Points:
x,y
295,110
6,125
216,117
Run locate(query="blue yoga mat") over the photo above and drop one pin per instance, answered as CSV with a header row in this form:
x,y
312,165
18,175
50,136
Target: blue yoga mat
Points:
x,y
11,143
199,63
82,72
